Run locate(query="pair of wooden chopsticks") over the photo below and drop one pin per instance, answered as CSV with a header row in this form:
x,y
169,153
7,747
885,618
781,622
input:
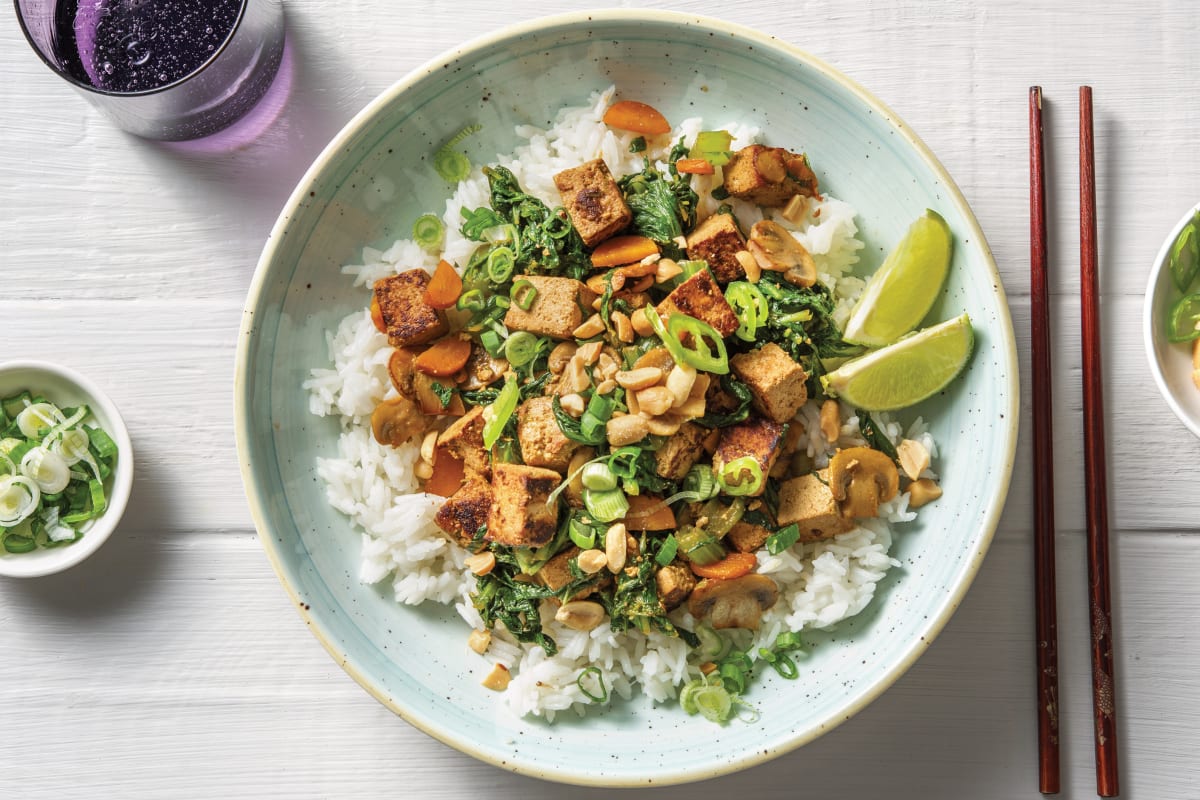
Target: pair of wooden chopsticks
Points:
x,y
1099,606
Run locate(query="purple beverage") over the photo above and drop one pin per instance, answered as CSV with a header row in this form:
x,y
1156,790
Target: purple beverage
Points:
x,y
164,69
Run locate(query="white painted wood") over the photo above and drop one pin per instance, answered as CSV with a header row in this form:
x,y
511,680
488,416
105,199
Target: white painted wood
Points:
x,y
171,666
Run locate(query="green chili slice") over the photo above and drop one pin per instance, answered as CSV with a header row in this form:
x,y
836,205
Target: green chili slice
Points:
x,y
733,479
750,305
602,696
693,337
471,300
522,294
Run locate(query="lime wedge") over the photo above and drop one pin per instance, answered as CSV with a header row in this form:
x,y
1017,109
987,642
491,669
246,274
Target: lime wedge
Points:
x,y
901,292
907,372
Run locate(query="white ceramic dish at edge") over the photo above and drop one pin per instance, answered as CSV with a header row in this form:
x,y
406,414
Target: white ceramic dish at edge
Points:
x,y
370,184
1170,362
66,387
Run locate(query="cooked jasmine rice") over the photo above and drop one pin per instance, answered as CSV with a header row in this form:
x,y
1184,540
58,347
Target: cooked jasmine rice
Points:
x,y
375,486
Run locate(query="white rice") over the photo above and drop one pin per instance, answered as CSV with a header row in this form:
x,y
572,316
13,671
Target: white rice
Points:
x,y
820,584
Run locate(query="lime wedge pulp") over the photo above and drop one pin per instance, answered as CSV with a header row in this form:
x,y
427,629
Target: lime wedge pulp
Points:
x,y
899,295
907,372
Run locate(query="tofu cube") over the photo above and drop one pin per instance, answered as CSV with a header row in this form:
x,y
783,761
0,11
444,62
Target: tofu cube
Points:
x,y
560,306
465,511
746,537
674,582
464,440
594,201
520,515
700,297
769,176
409,320
679,452
758,438
809,503
776,381
542,441
717,240
556,573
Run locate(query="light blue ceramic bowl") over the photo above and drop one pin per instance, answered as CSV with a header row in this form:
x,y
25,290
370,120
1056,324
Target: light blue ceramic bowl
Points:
x,y
415,660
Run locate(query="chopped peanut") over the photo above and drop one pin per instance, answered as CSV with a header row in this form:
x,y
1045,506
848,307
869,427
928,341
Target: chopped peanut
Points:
x,y
592,561
914,458
615,547
592,326
580,615
481,563
479,641
831,421
636,379
498,679
624,327
626,430
573,404
923,491
655,400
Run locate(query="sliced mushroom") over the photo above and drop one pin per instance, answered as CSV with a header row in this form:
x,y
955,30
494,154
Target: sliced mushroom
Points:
x,y
482,370
737,603
395,421
777,250
400,370
861,478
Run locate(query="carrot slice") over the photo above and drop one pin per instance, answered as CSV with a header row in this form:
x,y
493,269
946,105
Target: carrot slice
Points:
x,y
623,250
647,513
445,286
630,115
694,166
734,565
377,315
447,474
445,357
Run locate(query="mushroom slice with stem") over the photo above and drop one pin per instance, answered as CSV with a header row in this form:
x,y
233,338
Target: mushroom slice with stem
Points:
x,y
775,249
861,478
737,603
395,421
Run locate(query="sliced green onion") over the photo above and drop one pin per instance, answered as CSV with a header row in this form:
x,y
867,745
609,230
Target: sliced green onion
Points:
x,y
522,294
713,147
584,536
602,697
750,306
471,300
1183,320
497,414
713,702
701,481
599,478
713,646
428,232
690,268
37,420
594,422
47,469
500,264
783,539
788,640
721,517
19,498
698,546
623,462
693,337
666,553
522,348
452,165
734,480
638,145
782,663
735,671
492,342
105,446
606,506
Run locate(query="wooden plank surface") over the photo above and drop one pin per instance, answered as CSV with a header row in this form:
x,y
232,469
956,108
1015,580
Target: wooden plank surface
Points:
x,y
171,665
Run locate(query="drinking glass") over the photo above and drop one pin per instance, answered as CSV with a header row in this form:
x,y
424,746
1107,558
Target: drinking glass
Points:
x,y
161,69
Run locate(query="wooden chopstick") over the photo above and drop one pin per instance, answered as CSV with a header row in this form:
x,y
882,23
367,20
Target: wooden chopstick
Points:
x,y
1103,695
1045,599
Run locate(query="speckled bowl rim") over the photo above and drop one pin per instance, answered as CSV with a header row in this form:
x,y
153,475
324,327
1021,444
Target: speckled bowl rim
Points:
x,y
563,772
122,480
1152,334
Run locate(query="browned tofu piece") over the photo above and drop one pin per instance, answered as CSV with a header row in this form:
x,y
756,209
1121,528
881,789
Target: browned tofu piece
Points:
x,y
809,503
465,511
758,438
769,176
746,537
679,452
409,320
717,240
556,573
593,200
776,381
542,441
464,440
520,516
701,298
558,309
675,582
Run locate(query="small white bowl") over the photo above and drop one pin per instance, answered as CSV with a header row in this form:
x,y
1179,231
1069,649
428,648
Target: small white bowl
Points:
x,y
66,387
1170,362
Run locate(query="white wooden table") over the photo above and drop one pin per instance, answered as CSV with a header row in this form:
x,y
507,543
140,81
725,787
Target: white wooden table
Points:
x,y
171,665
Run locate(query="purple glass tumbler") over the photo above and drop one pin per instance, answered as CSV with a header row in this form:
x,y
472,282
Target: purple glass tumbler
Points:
x,y
161,69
